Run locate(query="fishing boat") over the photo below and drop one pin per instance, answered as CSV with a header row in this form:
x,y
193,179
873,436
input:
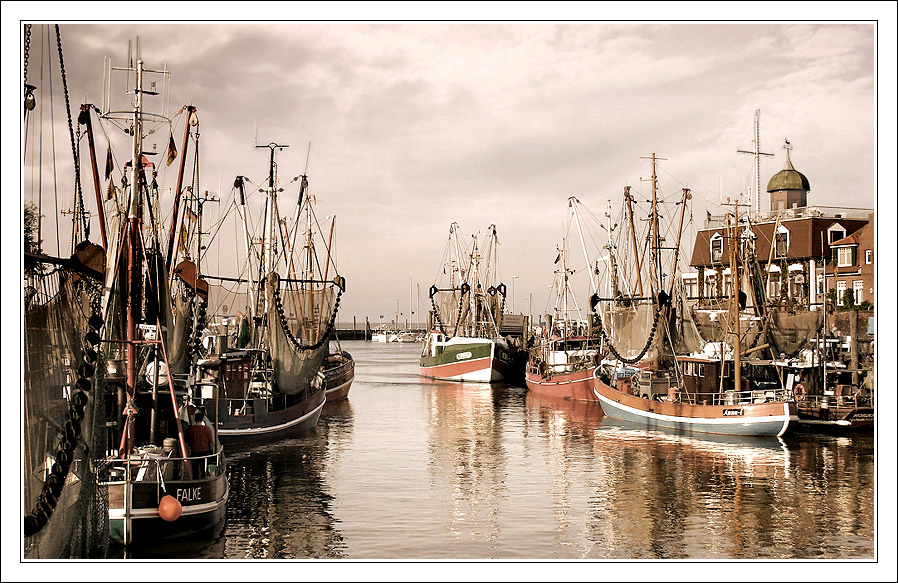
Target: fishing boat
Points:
x,y
829,397
165,475
464,343
337,372
62,422
268,382
561,362
652,381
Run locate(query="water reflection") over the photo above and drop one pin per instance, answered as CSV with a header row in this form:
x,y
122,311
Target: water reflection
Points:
x,y
657,495
281,505
467,461
411,469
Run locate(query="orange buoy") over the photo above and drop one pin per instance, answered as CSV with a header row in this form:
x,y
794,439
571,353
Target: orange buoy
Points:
x,y
169,508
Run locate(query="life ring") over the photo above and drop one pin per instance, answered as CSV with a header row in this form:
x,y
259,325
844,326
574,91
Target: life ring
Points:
x,y
800,392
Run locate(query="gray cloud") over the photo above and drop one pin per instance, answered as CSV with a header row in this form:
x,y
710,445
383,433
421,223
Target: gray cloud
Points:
x,y
414,125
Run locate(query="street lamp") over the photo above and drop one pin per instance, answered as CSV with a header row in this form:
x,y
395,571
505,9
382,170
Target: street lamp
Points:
x,y
513,278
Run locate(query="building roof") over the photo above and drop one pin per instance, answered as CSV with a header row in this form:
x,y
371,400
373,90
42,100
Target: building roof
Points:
x,y
788,179
844,241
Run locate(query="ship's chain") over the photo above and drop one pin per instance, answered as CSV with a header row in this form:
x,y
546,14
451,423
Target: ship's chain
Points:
x,y
195,335
437,313
279,307
27,52
614,351
71,431
461,304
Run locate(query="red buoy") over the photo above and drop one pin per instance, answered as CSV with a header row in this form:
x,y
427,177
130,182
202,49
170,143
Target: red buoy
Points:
x,y
169,508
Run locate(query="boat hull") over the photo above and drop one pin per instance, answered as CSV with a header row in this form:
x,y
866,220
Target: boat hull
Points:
x,y
267,426
573,386
338,372
475,362
835,419
761,419
203,511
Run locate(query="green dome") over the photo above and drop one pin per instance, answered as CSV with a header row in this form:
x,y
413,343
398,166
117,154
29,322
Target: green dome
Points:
x,y
788,179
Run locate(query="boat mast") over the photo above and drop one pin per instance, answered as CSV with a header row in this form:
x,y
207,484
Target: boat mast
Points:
x,y
573,203
135,279
673,272
629,198
655,279
615,286
247,241
734,298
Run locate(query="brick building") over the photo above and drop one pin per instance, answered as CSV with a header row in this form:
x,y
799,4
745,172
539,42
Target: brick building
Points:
x,y
803,251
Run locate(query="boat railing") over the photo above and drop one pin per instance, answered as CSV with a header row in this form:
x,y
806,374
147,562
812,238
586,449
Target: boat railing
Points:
x,y
247,407
730,397
149,464
830,401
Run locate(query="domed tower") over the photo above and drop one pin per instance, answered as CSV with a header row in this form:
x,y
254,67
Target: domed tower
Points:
x,y
788,188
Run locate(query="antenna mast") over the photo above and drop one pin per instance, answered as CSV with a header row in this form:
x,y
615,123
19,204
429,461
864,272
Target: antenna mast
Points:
x,y
757,154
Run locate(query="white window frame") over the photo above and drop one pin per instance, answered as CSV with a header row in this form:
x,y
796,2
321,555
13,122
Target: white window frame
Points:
x,y
858,286
844,256
868,256
831,231
716,241
782,233
841,286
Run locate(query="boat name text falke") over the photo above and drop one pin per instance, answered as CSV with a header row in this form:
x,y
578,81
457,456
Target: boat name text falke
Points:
x,y
189,494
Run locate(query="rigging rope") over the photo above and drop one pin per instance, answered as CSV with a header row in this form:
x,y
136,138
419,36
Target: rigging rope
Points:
x,y
79,203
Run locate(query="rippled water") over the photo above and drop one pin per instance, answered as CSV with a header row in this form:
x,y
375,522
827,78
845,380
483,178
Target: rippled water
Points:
x,y
411,469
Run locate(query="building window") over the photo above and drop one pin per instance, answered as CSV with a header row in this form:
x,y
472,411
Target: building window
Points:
x,y
716,248
845,256
773,290
820,285
840,291
796,285
691,287
858,292
710,284
835,232
868,256
781,242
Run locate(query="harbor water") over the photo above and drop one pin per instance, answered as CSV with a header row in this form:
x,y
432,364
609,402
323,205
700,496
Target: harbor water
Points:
x,y
414,469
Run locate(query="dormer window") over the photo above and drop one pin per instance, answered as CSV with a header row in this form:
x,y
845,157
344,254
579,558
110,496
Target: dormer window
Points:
x,y
781,242
835,232
716,248
844,256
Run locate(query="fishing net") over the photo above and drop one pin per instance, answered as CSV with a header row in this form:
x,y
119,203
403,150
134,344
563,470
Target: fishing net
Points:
x,y
629,328
300,322
791,332
60,364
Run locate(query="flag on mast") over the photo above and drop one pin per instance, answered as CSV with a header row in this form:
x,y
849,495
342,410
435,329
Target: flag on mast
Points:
x,y
108,161
172,151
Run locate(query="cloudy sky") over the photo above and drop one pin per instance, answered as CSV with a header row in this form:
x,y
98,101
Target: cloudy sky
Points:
x,y
414,125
